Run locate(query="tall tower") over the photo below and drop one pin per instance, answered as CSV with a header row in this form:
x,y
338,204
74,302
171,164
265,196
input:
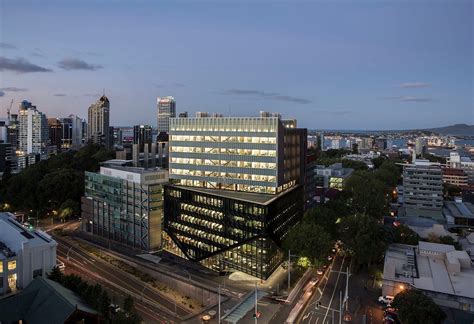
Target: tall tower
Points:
x,y
99,122
166,110
33,132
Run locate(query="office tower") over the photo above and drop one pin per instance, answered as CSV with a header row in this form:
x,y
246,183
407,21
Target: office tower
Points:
x,y
33,129
142,134
73,130
118,136
423,185
166,110
183,114
55,129
99,122
381,144
239,188
12,131
125,204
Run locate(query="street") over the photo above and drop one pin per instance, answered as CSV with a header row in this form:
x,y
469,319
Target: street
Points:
x,y
148,300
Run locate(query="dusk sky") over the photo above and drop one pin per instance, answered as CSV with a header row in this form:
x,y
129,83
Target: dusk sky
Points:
x,y
330,64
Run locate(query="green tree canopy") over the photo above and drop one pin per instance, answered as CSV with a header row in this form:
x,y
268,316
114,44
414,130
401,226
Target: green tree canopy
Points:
x,y
416,308
363,238
309,240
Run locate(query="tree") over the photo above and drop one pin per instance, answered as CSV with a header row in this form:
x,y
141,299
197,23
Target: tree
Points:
x,y
366,194
309,240
56,275
128,304
404,235
363,238
356,165
414,307
378,161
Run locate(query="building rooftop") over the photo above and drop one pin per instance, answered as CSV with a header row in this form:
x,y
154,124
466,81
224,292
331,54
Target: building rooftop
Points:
x,y
459,209
43,301
14,234
132,169
257,198
430,266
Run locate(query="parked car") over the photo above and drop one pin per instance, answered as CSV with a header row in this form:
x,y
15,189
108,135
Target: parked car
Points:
x,y
329,257
61,266
320,271
387,300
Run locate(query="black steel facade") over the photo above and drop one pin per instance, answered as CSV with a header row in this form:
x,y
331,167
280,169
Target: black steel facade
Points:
x,y
230,231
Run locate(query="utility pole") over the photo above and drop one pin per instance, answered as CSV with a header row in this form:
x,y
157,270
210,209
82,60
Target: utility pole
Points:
x,y
219,301
289,271
340,306
255,303
346,296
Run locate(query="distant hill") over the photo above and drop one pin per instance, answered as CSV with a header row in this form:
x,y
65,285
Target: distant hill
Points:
x,y
457,129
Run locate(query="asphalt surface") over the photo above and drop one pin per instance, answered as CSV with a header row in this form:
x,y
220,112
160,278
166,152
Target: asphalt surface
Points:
x,y
148,300
323,307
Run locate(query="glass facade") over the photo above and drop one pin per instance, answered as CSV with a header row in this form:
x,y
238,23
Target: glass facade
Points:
x,y
239,153
232,231
123,211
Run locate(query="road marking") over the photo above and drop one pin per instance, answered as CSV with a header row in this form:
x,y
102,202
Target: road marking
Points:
x,y
334,291
319,290
306,316
317,320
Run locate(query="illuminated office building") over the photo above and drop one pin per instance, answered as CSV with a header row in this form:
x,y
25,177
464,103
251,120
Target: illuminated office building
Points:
x,y
239,187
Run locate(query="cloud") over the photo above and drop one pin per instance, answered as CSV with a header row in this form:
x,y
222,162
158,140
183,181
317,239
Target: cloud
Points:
x,y
410,99
2,93
20,65
336,113
179,85
60,95
263,94
37,52
414,85
77,64
7,45
14,89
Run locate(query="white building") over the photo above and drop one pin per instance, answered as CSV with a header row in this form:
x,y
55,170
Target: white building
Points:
x,y
462,162
438,270
33,134
24,254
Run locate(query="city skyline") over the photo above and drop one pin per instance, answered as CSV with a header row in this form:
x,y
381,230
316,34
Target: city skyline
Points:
x,y
331,66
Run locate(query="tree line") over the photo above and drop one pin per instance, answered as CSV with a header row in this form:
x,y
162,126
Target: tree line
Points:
x,y
52,186
354,217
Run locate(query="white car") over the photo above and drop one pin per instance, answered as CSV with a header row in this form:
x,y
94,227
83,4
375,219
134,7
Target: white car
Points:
x,y
387,300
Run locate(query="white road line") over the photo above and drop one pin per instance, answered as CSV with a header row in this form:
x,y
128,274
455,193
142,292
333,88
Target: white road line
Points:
x,y
317,320
334,291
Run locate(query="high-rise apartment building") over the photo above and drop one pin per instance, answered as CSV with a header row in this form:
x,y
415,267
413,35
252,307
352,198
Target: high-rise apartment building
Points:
x,y
239,188
166,110
142,134
33,134
423,185
125,204
99,122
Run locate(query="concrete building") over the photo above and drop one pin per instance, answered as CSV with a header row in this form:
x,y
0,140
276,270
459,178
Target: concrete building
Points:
x,y
166,110
142,134
33,134
438,270
55,129
239,188
72,132
332,177
99,123
24,254
455,177
125,204
457,161
423,186
420,146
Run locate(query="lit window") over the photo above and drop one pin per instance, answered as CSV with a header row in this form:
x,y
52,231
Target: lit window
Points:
x,y
12,265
